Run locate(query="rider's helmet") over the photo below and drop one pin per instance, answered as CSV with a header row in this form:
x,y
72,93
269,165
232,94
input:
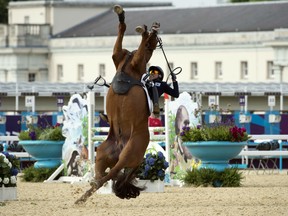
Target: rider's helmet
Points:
x,y
157,69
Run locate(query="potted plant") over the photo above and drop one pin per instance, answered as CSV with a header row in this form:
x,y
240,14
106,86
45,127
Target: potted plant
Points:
x,y
9,168
44,143
151,172
214,144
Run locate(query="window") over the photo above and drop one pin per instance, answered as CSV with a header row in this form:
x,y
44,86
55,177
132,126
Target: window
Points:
x,y
59,73
171,65
80,72
194,70
270,71
218,70
31,77
244,70
102,71
5,75
26,19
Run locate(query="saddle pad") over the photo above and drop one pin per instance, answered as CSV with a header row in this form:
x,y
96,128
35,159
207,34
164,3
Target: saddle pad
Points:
x,y
149,101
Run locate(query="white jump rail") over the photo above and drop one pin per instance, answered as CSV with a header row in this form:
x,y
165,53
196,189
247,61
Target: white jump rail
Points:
x,y
245,153
20,155
153,137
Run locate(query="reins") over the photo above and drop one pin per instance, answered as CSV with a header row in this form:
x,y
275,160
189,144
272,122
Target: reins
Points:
x,y
171,71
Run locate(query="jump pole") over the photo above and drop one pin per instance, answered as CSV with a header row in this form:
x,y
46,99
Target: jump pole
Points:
x,y
166,115
91,108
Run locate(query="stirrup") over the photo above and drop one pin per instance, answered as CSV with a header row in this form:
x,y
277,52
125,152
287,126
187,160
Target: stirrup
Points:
x,y
118,9
140,29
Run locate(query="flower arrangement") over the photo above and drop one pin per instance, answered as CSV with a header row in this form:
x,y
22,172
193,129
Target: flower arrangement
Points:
x,y
224,130
153,166
43,131
9,168
214,132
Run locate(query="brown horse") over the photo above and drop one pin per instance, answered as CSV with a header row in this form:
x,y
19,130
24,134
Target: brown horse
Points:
x,y
128,113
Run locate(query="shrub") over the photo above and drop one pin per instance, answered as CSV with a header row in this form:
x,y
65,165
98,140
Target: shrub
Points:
x,y
230,177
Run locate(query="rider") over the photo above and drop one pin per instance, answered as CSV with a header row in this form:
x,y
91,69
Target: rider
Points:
x,y
159,87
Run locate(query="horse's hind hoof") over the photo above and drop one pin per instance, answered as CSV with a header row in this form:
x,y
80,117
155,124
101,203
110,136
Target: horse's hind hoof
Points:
x,y
118,9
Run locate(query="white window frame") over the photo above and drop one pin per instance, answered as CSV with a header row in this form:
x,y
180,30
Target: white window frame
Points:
x,y
102,70
244,69
80,72
60,74
194,70
218,70
269,70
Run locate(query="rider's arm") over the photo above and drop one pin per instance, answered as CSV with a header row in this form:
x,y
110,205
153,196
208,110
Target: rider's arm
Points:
x,y
174,92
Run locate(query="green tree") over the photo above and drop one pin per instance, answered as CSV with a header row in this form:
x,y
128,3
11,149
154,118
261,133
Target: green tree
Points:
x,y
236,1
4,11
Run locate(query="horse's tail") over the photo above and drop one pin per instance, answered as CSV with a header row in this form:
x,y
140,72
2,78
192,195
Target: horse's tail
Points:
x,y
124,185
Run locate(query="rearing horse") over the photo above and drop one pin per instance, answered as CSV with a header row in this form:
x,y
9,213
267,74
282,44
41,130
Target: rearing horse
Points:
x,y
128,113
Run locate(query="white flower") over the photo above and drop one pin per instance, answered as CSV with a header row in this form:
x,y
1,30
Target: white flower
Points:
x,y
13,180
6,160
10,164
6,180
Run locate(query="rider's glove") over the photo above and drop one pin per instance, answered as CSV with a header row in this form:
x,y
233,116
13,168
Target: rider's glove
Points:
x,y
173,77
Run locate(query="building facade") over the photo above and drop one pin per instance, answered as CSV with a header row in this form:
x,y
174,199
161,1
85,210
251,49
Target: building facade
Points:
x,y
226,50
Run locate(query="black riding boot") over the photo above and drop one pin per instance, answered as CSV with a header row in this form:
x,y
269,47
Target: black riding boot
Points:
x,y
155,99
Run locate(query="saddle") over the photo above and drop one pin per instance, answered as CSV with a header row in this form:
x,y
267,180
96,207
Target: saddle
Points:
x,y
122,83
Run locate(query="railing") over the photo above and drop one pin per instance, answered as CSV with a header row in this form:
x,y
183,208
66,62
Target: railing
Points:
x,y
21,155
160,138
281,153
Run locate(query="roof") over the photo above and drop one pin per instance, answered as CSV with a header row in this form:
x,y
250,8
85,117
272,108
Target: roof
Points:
x,y
225,89
223,18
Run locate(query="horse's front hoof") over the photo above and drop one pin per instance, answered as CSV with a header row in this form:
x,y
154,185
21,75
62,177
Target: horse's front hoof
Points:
x,y
118,9
141,29
155,27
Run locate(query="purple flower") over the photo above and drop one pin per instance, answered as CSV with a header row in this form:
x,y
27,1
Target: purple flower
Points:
x,y
151,161
32,135
166,164
14,172
160,173
160,155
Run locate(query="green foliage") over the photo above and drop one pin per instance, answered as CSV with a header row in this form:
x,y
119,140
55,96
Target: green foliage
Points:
x,y
4,11
42,132
209,177
52,133
239,1
85,130
178,173
214,132
32,174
